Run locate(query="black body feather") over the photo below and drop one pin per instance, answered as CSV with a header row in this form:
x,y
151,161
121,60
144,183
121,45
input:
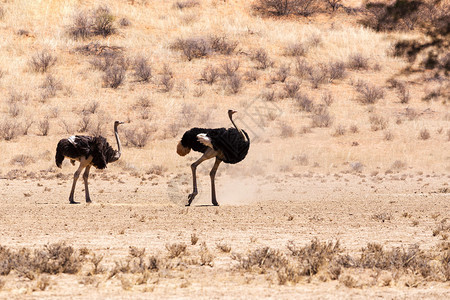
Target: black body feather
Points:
x,y
86,146
229,142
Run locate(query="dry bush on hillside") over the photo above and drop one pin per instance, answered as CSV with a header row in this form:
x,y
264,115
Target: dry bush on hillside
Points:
x,y
368,93
176,249
103,22
403,94
2,13
42,61
251,75
291,88
388,136
317,76
377,122
286,130
166,82
210,74
156,170
14,109
138,135
339,130
281,74
261,58
321,117
114,76
81,28
398,165
192,47
44,126
424,134
230,67
222,45
22,160
287,7
336,70
91,107
142,69
107,60
9,129
186,4
50,86
296,49
224,247
234,83
304,102
268,95
358,61
302,68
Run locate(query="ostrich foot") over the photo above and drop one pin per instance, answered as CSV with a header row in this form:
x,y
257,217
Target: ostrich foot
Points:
x,y
88,200
215,204
74,202
191,197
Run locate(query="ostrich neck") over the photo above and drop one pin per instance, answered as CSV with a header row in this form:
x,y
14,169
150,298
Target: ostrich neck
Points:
x,y
238,129
119,146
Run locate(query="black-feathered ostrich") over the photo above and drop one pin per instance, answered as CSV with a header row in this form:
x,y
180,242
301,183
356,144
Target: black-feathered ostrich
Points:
x,y
227,145
89,151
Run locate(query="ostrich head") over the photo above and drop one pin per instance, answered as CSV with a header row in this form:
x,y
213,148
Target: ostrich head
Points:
x,y
231,112
117,123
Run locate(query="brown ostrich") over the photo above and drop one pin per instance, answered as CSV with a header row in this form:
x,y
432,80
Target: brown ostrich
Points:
x,y
226,145
89,151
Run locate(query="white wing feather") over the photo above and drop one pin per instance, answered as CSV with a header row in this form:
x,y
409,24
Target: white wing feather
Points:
x,y
202,138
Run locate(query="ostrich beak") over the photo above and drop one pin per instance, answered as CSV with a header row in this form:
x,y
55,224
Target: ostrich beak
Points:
x,y
120,122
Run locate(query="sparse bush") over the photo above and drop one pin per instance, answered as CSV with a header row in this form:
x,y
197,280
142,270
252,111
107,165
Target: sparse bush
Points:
x,y
321,118
192,47
138,136
336,70
302,68
194,239
223,247
84,123
291,88
44,127
286,130
268,95
398,165
295,49
114,76
230,68
166,83
317,76
251,75
14,109
424,134
81,29
50,85
339,130
334,4
142,69
286,7
91,107
304,102
403,94
210,74
234,83
108,60
125,22
377,122
358,62
261,58
22,160
388,136
42,61
281,74
369,94
103,23
8,129
176,249
327,99
354,129
186,4
221,44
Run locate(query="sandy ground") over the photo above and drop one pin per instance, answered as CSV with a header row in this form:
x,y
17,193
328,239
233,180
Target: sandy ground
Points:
x,y
149,212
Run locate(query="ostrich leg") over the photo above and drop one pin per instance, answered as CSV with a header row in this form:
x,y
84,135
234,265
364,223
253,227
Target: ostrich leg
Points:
x,y
212,174
210,153
75,178
86,188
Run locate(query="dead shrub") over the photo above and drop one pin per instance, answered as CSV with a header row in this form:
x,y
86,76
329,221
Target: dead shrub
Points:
x,y
192,47
336,70
304,102
124,22
327,99
230,67
44,126
291,88
358,61
81,28
403,93
388,136
317,76
42,61
286,7
302,68
166,81
194,239
206,258
22,160
103,22
321,118
368,94
261,58
50,86
156,170
334,4
234,83
186,4
356,166
210,74
91,107
377,122
286,130
14,109
263,258
295,49
221,44
114,76
354,129
108,60
398,165
268,95
84,123
251,75
424,134
281,74
176,249
138,136
225,248
142,69
339,130
9,129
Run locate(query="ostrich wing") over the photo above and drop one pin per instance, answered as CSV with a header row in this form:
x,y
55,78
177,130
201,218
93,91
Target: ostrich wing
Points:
x,y
205,140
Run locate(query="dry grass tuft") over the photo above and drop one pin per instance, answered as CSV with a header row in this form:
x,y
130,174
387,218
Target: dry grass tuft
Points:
x,y
176,249
42,61
424,134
